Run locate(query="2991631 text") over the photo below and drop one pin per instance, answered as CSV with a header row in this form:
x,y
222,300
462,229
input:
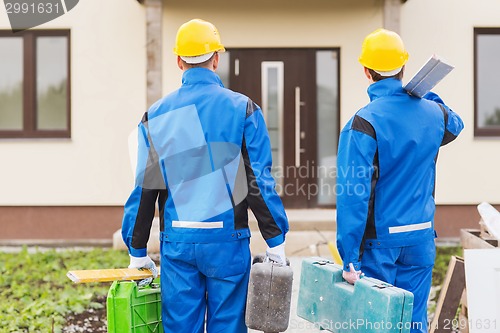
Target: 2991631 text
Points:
x,y
463,323
33,8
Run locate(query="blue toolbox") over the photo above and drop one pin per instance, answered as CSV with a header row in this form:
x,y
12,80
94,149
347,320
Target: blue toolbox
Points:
x,y
370,305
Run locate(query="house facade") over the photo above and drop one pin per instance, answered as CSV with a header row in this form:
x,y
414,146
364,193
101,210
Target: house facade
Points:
x,y
73,89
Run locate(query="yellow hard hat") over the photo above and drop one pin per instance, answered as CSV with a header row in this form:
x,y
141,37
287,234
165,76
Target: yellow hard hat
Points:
x,y
383,51
197,38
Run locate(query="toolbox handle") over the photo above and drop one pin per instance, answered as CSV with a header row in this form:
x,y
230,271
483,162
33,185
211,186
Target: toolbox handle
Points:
x,y
323,262
382,285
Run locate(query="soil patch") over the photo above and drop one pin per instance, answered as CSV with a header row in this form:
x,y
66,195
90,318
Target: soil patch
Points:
x,y
91,320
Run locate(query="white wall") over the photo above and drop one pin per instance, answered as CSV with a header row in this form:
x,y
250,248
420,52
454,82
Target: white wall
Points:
x,y
108,98
468,169
109,91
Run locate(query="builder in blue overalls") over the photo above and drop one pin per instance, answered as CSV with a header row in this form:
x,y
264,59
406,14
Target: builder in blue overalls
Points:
x,y
386,169
204,155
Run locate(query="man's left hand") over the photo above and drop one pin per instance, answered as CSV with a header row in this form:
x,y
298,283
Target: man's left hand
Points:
x,y
144,262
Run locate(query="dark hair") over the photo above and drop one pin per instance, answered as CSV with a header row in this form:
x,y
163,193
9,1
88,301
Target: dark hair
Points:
x,y
201,64
377,77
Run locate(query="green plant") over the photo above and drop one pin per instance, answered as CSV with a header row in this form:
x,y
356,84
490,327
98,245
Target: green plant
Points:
x,y
36,294
443,255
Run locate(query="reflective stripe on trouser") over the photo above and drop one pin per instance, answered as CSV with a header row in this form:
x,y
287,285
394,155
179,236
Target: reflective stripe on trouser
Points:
x,y
409,268
204,279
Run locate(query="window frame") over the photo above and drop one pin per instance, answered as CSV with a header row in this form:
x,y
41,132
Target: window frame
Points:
x,y
482,131
29,129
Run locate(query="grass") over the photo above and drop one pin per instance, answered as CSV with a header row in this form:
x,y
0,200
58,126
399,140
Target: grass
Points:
x,y
37,296
443,255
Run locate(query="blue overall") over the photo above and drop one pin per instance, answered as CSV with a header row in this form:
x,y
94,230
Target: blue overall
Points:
x,y
385,178
204,156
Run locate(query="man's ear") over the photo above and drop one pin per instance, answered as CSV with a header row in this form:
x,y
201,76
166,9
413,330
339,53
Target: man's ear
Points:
x,y
180,63
215,61
367,74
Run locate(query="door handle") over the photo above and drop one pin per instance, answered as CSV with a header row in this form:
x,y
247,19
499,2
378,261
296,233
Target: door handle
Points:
x,y
298,133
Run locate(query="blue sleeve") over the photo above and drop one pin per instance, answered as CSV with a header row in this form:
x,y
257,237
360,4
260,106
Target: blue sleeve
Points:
x,y
139,209
262,197
355,170
453,122
454,125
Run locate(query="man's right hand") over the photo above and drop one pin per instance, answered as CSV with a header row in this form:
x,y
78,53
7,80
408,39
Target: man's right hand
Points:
x,y
276,254
352,276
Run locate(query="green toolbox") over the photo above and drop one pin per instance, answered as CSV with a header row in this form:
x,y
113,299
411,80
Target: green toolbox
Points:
x,y
134,309
371,305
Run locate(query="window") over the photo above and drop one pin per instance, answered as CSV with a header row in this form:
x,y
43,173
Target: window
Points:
x,y
327,104
35,84
486,84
